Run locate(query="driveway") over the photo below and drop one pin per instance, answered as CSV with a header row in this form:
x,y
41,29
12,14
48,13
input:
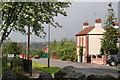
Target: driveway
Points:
x,y
85,68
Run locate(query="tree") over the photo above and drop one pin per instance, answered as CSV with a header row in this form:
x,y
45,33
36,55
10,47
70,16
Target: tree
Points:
x,y
66,49
110,37
12,48
53,46
18,15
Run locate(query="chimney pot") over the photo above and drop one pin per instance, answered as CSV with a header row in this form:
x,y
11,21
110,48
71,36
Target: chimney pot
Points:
x,y
98,20
85,23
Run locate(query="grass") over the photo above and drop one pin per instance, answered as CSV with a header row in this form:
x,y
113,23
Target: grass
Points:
x,y
43,67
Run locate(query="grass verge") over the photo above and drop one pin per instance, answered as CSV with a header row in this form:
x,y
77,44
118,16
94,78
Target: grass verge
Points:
x,y
43,67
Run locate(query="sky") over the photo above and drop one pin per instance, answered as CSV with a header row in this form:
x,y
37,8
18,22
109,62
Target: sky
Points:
x,y
77,13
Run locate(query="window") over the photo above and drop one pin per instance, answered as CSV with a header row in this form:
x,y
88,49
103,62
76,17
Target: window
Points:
x,y
99,56
84,41
78,42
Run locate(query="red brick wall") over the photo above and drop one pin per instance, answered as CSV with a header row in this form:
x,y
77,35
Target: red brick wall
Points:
x,y
55,56
98,60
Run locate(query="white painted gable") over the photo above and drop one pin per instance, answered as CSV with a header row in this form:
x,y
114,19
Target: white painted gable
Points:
x,y
97,30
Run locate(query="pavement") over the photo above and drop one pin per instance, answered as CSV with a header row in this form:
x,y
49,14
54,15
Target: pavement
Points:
x,y
85,68
35,73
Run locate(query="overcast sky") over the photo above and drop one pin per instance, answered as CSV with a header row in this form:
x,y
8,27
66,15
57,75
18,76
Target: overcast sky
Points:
x,y
78,13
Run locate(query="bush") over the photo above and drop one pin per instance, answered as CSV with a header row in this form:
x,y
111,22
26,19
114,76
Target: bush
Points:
x,y
17,65
5,65
64,58
73,58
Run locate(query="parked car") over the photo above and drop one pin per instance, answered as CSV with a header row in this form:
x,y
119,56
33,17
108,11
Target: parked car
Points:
x,y
117,60
36,57
111,60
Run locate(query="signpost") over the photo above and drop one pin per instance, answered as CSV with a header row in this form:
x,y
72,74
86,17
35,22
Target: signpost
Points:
x,y
48,46
10,55
11,61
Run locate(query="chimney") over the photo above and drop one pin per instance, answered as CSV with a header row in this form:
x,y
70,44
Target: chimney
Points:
x,y
85,24
98,22
116,24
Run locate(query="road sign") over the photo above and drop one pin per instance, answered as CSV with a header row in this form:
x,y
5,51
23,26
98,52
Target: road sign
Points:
x,y
10,55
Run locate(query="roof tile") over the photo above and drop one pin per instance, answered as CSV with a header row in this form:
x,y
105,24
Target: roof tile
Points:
x,y
85,31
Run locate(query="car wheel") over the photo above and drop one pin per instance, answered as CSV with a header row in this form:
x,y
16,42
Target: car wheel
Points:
x,y
112,63
118,67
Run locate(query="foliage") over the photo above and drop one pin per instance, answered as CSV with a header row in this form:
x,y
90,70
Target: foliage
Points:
x,y
16,64
37,46
37,53
12,48
65,48
5,65
18,15
81,50
53,46
110,37
43,67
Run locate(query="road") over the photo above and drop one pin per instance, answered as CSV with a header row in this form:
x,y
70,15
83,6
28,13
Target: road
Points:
x,y
85,68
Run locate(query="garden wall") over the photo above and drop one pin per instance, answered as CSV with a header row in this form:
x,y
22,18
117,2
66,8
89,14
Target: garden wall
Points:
x,y
97,59
55,56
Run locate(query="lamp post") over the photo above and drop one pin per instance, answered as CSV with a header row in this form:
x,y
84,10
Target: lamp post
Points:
x,y
28,46
48,46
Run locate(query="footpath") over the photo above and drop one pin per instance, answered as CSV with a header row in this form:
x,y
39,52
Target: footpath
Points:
x,y
35,73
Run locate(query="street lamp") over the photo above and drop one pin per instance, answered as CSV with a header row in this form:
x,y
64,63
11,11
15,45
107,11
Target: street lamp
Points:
x,y
48,46
28,45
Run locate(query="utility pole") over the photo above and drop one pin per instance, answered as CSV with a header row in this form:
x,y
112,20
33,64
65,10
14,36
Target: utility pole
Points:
x,y
28,46
119,19
49,46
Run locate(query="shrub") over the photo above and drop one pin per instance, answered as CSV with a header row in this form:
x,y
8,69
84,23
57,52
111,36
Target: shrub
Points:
x,y
73,57
5,65
64,58
17,65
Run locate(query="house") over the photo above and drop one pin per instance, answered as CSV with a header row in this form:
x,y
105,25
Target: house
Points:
x,y
90,38
45,49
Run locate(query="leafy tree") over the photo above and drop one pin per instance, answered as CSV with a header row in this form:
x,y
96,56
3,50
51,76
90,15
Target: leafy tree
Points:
x,y
18,15
53,46
110,37
12,48
66,49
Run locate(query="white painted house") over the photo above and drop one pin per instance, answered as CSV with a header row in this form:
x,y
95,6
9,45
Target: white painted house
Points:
x,y
90,38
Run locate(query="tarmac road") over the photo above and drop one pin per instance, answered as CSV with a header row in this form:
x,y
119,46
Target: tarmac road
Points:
x,y
85,68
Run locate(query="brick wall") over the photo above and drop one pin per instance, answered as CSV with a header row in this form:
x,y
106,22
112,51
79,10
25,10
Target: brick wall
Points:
x,y
95,59
55,56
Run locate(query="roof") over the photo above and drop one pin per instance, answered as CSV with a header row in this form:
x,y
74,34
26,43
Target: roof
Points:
x,y
85,31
